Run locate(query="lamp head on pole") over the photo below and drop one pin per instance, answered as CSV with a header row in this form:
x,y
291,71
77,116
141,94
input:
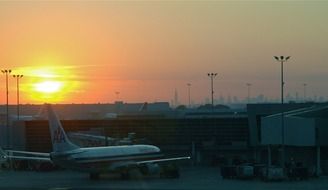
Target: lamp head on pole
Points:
x,y
18,76
281,58
6,71
212,74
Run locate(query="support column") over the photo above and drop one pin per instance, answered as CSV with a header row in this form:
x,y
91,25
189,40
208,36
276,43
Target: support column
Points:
x,y
193,153
269,161
318,167
269,156
255,154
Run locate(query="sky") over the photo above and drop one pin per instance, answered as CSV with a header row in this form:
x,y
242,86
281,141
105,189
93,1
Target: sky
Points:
x,y
137,51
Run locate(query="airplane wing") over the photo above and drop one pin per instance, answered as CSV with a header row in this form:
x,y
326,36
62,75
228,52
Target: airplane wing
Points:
x,y
30,153
164,160
124,164
28,158
12,154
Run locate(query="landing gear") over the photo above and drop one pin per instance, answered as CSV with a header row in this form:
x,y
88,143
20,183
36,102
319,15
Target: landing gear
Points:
x,y
125,175
94,176
131,173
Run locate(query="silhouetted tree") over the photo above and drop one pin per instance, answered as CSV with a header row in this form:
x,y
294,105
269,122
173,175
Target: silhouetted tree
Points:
x,y
209,106
181,107
220,106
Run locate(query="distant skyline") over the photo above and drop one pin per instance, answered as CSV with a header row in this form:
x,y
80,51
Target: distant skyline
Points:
x,y
86,51
258,98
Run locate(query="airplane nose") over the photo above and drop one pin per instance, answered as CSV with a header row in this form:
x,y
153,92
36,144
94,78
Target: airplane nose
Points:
x,y
156,149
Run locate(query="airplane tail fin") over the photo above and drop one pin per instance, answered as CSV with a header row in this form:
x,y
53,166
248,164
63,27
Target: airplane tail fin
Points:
x,y
59,139
144,107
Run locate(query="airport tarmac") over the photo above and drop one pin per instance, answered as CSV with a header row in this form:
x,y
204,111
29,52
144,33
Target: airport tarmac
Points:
x,y
191,178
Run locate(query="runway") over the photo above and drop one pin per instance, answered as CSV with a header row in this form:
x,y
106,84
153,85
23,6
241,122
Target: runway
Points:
x,y
191,178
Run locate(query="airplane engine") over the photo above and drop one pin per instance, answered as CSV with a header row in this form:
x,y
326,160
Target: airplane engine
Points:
x,y
150,169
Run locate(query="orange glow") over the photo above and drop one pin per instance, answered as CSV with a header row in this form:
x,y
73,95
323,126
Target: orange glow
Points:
x,y
85,51
48,84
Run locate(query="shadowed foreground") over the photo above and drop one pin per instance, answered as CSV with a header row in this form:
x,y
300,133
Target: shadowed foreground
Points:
x,y
191,178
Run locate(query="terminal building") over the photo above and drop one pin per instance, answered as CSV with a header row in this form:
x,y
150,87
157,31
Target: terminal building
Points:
x,y
215,136
298,135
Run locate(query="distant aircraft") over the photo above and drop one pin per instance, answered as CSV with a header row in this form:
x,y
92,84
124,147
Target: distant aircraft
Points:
x,y
85,139
39,115
94,160
144,107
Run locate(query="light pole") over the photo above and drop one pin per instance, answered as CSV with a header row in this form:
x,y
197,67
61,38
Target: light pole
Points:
x,y
282,59
17,83
7,72
188,84
248,91
304,85
117,95
212,76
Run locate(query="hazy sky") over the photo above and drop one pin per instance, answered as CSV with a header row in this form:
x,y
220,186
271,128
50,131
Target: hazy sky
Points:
x,y
146,49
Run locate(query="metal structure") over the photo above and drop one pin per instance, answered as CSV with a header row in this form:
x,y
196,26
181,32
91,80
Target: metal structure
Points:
x,y
117,95
17,85
7,72
188,84
282,60
304,85
212,76
248,92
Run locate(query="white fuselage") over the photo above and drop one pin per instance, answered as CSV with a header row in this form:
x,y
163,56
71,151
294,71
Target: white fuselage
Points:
x,y
102,159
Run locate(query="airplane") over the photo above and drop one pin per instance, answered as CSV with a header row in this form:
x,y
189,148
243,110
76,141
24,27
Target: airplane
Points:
x,y
85,139
94,160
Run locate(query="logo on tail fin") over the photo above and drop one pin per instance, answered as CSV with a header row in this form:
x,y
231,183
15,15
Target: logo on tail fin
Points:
x,y
60,142
59,136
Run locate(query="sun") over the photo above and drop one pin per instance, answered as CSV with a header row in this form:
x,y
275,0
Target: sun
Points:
x,y
49,90
52,84
48,87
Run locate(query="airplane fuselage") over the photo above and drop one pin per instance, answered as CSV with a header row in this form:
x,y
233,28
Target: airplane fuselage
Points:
x,y
105,159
